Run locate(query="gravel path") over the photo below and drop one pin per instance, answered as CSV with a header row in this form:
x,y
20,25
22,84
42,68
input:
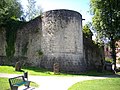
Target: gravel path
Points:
x,y
55,82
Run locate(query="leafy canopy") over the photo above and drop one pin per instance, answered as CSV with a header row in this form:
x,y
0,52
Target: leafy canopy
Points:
x,y
9,9
106,21
32,10
87,32
106,18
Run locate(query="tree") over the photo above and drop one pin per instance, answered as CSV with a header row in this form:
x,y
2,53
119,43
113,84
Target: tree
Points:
x,y
10,12
32,10
9,9
106,21
87,32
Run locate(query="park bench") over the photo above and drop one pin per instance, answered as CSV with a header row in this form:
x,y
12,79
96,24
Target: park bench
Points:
x,y
18,81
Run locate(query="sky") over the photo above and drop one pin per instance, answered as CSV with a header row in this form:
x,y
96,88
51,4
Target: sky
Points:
x,y
81,6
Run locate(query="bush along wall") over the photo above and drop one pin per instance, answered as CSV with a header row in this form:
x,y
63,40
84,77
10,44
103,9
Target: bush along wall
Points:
x,y
11,28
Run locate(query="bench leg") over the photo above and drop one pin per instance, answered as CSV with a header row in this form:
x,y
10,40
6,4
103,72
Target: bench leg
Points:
x,y
27,84
14,88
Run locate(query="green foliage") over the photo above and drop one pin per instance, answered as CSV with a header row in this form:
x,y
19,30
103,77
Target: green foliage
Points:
x,y
32,10
40,53
102,84
11,30
87,32
119,59
9,9
106,21
106,17
109,60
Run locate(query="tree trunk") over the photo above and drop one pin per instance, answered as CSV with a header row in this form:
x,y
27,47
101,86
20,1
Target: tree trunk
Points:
x,y
112,35
113,53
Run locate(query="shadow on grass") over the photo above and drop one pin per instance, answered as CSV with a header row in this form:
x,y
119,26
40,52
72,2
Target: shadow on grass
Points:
x,y
36,69
89,73
46,72
96,73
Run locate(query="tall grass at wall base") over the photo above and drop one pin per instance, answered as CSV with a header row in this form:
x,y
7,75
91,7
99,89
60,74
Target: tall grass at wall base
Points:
x,y
44,72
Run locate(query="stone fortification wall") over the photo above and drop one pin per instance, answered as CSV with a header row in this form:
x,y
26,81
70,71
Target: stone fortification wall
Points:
x,y
28,41
93,54
54,37
62,40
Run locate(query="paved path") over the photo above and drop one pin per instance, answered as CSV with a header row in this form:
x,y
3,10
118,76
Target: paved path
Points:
x,y
55,82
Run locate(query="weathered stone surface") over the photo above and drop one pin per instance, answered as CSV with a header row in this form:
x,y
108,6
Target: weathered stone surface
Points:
x,y
93,54
56,68
62,38
28,41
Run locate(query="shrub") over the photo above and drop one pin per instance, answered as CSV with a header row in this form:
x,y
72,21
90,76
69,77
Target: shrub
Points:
x,y
109,60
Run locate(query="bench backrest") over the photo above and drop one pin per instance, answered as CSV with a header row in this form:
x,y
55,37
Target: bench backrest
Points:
x,y
16,80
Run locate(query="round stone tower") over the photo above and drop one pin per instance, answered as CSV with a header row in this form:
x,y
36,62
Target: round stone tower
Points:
x,y
62,40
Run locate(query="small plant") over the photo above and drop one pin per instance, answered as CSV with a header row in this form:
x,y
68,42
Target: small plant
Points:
x,y
109,60
119,59
40,53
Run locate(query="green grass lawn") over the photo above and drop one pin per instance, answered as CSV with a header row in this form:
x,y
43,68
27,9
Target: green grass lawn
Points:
x,y
44,72
30,70
4,84
102,84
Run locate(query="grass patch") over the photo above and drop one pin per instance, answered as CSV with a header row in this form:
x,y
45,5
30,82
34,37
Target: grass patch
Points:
x,y
33,84
102,84
45,72
118,73
4,84
8,69
30,70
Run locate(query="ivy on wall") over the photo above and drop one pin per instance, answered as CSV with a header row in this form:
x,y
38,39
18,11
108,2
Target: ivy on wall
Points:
x,y
24,49
11,28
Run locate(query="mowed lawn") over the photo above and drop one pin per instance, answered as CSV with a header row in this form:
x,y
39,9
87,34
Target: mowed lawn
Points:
x,y
106,84
30,70
102,84
4,84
